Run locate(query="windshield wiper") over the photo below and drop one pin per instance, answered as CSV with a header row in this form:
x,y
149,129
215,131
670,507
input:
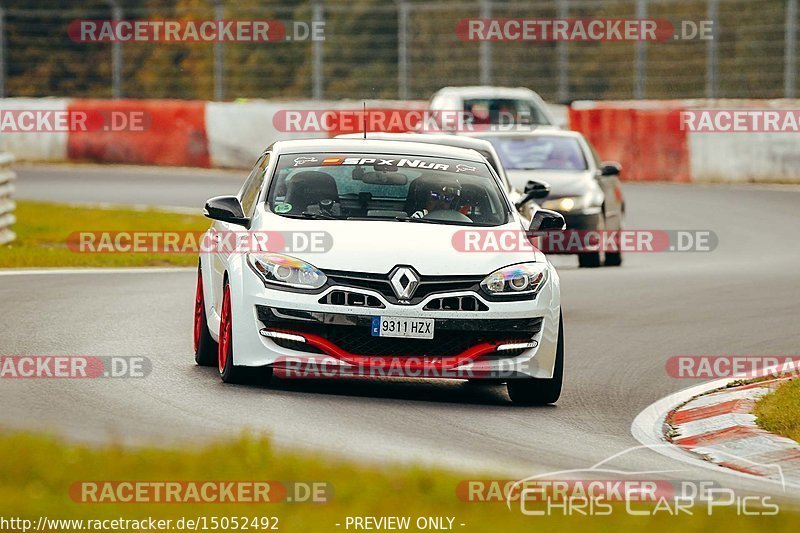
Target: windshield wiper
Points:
x,y
407,218
311,216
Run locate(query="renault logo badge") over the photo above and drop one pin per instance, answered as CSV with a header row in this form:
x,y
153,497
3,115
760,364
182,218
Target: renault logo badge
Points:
x,y
404,282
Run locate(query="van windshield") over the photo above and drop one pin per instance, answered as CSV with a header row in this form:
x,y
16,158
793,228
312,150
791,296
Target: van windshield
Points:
x,y
504,111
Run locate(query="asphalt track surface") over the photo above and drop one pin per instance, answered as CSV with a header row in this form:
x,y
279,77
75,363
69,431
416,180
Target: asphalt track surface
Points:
x,y
177,187
621,326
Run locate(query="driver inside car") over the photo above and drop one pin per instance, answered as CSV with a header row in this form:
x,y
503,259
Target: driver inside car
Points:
x,y
440,198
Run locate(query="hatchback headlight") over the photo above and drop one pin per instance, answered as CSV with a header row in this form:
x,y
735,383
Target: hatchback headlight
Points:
x,y
285,270
525,278
569,203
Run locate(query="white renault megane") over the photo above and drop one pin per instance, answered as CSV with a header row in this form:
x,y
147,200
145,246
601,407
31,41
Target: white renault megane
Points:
x,y
349,260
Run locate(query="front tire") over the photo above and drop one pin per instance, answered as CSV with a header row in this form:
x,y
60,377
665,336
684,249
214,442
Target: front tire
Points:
x,y
228,372
205,348
613,259
538,391
593,259
589,260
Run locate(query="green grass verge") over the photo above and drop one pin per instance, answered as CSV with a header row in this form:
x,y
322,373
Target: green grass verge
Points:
x,y
779,411
43,228
36,473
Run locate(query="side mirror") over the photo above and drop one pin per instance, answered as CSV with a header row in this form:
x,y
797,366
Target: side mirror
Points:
x,y
534,190
226,209
610,168
546,220
539,188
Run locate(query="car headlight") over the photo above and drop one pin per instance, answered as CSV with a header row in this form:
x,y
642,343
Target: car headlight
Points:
x,y
525,278
284,270
569,203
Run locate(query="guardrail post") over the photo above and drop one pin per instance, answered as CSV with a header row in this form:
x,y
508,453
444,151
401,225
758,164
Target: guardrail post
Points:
x,y
562,58
7,205
712,51
640,58
219,59
116,52
790,55
485,50
402,49
317,82
2,52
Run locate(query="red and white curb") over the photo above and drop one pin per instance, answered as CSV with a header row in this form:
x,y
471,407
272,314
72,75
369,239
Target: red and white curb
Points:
x,y
712,425
720,428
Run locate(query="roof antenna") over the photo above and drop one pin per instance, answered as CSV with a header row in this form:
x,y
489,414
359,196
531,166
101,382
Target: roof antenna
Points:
x,y
365,119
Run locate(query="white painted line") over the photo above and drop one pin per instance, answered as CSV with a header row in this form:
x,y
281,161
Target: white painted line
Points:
x,y
743,448
726,396
714,423
176,209
112,168
92,270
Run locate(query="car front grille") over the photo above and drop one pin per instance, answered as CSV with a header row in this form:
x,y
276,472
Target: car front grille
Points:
x,y
352,333
456,303
380,283
351,299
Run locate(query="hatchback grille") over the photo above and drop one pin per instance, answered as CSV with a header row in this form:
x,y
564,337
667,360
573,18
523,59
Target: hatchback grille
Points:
x,y
353,334
361,342
380,283
351,299
456,303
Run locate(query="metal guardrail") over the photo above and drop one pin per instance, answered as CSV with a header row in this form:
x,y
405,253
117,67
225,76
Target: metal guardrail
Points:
x,y
7,205
408,50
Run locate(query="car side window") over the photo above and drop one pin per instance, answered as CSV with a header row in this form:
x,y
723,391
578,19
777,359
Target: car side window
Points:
x,y
490,159
248,196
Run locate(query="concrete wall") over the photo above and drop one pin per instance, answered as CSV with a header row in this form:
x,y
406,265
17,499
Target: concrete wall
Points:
x,y
645,136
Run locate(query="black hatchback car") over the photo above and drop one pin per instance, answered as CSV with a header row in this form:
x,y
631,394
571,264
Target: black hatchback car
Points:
x,y
586,191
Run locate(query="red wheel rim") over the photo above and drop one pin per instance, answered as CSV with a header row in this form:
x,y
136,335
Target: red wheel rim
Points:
x,y
225,329
199,309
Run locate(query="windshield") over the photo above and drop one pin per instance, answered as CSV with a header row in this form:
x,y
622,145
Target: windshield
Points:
x,y
539,152
504,111
386,187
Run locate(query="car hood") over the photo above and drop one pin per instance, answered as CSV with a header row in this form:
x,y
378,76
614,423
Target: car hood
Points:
x,y
562,183
379,246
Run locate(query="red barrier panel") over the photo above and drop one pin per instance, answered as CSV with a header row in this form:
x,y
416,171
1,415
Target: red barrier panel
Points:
x,y
142,132
662,151
647,141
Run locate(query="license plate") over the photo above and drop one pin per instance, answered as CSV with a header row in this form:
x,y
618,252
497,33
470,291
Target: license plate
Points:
x,y
408,328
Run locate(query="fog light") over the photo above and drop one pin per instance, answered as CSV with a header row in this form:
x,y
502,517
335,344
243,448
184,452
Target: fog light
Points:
x,y
280,335
517,346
